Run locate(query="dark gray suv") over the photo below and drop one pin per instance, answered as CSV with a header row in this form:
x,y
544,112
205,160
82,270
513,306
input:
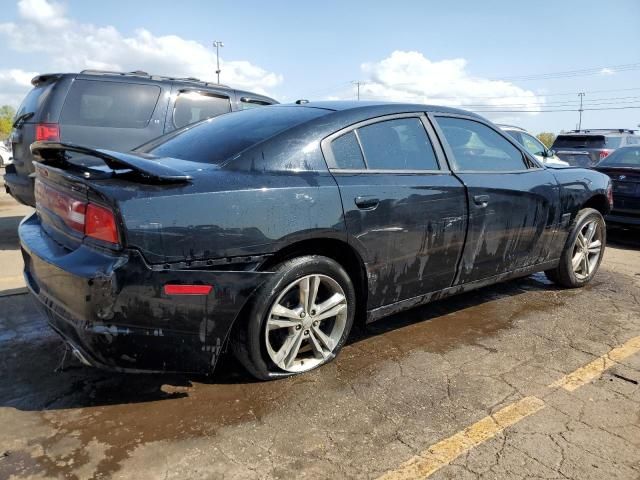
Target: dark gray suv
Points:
x,y
113,110
585,148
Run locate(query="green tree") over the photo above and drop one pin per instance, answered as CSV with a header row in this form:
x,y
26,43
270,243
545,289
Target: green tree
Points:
x,y
7,113
547,138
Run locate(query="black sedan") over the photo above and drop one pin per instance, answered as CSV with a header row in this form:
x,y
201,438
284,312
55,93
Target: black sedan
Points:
x,y
273,230
623,166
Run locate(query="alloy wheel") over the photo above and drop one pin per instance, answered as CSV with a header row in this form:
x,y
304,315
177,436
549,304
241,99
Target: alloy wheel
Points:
x,y
305,323
587,250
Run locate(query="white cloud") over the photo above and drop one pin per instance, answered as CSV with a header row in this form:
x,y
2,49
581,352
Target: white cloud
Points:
x,y
69,45
411,77
607,71
13,85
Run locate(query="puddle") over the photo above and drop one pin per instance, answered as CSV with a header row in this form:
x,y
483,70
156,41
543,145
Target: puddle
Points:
x,y
120,412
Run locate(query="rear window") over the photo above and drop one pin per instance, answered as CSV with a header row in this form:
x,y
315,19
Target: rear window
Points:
x,y
586,141
624,157
191,107
109,104
34,99
218,139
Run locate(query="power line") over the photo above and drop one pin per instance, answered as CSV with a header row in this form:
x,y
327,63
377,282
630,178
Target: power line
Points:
x,y
558,110
572,73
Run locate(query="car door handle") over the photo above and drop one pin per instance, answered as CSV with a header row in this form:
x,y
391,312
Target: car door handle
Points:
x,y
481,200
366,202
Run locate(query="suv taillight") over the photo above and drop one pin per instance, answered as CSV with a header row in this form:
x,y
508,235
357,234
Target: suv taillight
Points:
x,y
88,219
47,132
604,154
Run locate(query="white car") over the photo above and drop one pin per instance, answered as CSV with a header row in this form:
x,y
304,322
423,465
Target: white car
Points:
x,y
534,146
5,155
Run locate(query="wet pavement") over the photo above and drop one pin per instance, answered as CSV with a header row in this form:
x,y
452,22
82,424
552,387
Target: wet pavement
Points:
x,y
405,383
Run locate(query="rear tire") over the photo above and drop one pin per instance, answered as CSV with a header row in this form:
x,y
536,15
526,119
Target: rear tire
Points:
x,y
298,320
583,251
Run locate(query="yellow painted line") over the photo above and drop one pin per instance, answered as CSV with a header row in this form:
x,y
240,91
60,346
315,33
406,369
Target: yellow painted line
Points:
x,y
12,281
447,450
594,369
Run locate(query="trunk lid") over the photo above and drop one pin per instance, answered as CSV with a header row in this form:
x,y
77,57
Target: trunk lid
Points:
x,y
73,206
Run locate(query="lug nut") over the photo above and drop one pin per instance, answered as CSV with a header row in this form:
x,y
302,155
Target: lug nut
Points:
x,y
302,314
306,332
298,327
313,312
315,324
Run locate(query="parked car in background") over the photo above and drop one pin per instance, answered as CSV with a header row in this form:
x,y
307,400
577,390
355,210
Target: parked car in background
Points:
x,y
111,110
5,154
585,148
534,146
623,166
275,228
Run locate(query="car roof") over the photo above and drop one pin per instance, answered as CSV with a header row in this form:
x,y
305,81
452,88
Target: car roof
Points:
x,y
510,127
601,131
375,108
139,75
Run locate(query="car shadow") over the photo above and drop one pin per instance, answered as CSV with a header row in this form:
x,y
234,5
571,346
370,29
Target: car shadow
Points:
x,y
41,375
624,238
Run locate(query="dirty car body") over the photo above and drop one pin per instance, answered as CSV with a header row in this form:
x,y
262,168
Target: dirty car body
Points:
x,y
203,216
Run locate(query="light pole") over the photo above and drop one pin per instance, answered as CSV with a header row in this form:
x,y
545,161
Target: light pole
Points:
x,y
218,44
581,94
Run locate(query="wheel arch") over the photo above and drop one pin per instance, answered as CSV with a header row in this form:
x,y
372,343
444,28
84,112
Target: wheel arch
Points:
x,y
598,202
336,249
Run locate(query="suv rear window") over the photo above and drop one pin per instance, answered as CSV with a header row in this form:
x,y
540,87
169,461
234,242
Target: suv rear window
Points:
x,y
586,141
109,104
34,99
218,139
192,107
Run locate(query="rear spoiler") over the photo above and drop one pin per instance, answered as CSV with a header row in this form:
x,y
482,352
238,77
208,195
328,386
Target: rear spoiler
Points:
x,y
52,153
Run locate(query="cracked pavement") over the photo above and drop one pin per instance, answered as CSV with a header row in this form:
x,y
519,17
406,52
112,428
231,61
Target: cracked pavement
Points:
x,y
404,384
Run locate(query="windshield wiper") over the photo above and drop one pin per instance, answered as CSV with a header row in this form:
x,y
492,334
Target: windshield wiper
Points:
x,y
21,119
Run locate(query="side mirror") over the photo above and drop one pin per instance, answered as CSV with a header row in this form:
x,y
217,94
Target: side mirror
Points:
x,y
549,153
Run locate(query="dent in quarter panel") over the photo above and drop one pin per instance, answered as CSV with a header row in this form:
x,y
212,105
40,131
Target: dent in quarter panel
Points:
x,y
271,211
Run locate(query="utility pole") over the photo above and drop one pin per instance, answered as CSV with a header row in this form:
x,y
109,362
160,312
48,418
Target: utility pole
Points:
x,y
357,83
218,44
581,94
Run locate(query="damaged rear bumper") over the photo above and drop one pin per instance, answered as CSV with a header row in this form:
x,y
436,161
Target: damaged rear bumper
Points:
x,y
114,312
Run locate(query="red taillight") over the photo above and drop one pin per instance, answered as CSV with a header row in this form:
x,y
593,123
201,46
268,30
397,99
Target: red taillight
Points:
x,y
100,223
47,132
610,196
604,154
173,289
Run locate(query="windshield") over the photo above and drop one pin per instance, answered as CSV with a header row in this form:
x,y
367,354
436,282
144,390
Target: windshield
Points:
x,y
623,157
218,139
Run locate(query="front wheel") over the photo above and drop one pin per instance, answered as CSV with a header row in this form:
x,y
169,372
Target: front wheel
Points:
x,y
583,251
298,320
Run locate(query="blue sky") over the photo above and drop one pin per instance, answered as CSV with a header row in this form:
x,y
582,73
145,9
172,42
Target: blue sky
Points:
x,y
467,53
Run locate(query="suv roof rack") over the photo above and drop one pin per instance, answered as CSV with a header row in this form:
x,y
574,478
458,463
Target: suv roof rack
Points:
x,y
141,73
610,130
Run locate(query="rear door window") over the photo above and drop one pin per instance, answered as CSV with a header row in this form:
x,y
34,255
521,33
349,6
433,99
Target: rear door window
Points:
x,y
400,144
191,107
347,153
